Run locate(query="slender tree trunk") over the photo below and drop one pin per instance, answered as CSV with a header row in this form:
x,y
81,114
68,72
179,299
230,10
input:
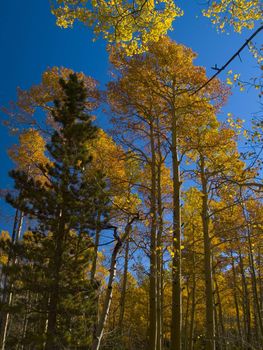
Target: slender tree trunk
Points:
x,y
246,303
93,273
13,239
259,323
257,311
217,332
222,335
260,277
193,304
51,335
210,321
186,316
6,321
25,321
162,304
260,280
176,326
55,264
96,245
153,291
124,287
46,321
8,296
108,297
159,258
240,341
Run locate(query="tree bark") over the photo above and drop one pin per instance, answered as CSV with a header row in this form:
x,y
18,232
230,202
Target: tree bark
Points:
x,y
240,341
96,245
55,264
222,335
108,297
257,311
153,291
176,326
210,320
246,303
124,286
159,258
193,303
186,316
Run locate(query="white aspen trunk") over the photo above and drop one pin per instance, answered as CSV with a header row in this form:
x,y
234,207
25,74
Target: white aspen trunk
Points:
x,y
108,298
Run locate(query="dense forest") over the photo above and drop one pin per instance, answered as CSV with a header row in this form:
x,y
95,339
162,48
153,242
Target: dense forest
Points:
x,y
148,234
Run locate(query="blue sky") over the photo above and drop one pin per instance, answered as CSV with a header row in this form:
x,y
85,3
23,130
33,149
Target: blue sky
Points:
x,y
30,42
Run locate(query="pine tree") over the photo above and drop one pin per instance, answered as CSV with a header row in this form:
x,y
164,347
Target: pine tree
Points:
x,y
66,204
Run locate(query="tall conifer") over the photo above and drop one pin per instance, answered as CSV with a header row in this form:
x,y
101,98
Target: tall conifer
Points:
x,y
67,202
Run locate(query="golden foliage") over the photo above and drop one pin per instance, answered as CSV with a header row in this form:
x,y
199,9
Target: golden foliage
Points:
x,y
238,14
132,24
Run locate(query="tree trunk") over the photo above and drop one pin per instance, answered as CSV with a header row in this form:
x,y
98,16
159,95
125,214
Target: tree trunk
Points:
x,y
240,341
95,314
124,287
217,330
259,323
192,319
222,335
186,316
25,320
210,321
260,277
159,258
8,296
176,326
108,297
246,303
260,280
55,264
153,291
96,245
51,335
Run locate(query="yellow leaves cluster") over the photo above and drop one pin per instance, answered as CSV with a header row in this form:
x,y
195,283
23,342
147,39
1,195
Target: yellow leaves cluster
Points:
x,y
163,80
256,52
235,124
235,79
238,14
107,156
172,251
43,94
228,81
30,153
4,237
110,160
132,24
166,179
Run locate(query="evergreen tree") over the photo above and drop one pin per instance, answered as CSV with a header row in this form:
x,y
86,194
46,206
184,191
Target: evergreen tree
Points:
x,y
66,204
29,283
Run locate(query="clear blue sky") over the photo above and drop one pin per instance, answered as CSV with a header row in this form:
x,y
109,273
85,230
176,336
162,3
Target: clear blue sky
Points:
x,y
30,42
